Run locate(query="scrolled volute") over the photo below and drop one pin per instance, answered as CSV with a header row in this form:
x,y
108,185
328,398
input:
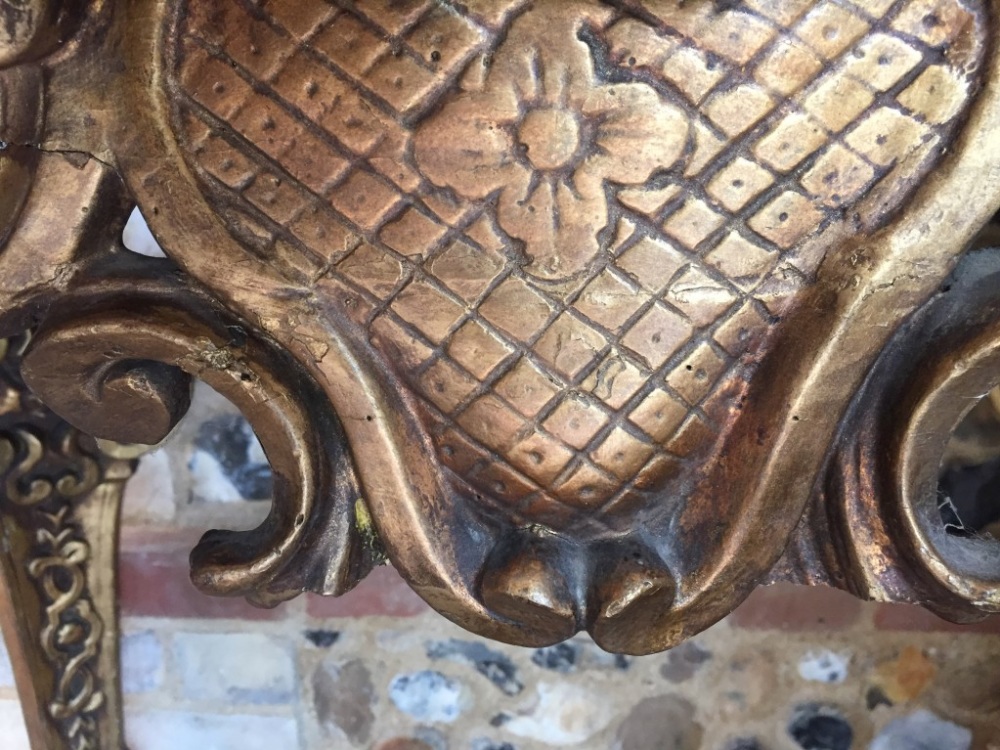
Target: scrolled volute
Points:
x,y
882,486
115,358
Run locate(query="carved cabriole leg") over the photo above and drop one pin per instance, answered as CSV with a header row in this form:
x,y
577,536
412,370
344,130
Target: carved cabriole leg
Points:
x,y
59,511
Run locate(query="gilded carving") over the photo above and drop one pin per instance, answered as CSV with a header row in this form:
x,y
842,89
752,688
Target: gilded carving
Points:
x,y
547,134
72,634
572,309
570,223
47,469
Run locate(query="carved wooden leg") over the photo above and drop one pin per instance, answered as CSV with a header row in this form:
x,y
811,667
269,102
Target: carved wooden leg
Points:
x,y
59,508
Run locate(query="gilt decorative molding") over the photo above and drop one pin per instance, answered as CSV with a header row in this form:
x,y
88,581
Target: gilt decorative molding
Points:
x,y
70,620
60,498
585,314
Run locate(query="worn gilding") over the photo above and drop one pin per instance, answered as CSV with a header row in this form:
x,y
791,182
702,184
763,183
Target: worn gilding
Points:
x,y
586,315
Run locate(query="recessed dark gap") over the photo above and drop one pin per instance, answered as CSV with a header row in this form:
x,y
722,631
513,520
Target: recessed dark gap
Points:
x,y
969,480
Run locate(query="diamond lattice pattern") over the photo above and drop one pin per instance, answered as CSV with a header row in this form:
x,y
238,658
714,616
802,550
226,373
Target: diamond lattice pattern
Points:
x,y
560,398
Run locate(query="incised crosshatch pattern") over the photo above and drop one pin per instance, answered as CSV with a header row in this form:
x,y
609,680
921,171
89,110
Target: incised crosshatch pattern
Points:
x,y
565,224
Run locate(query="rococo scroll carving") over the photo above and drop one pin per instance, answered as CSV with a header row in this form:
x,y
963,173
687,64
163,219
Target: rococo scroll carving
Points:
x,y
571,230
568,304
119,365
884,501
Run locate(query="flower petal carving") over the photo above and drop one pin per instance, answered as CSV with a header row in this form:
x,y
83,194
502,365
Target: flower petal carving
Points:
x,y
553,139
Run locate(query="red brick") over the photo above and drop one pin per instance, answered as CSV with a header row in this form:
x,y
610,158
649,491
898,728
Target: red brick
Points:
x,y
403,743
910,618
158,584
787,607
383,593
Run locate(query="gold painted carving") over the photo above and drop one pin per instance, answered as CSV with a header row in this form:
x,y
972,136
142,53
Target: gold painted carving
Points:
x,y
586,315
579,310
72,633
55,625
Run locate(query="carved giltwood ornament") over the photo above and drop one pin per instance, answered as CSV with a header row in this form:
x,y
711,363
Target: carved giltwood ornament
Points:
x,y
58,521
586,314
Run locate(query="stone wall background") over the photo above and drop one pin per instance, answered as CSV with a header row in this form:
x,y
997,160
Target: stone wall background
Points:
x,y
792,669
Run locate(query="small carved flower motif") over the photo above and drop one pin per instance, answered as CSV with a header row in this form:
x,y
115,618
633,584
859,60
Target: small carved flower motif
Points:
x,y
542,132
